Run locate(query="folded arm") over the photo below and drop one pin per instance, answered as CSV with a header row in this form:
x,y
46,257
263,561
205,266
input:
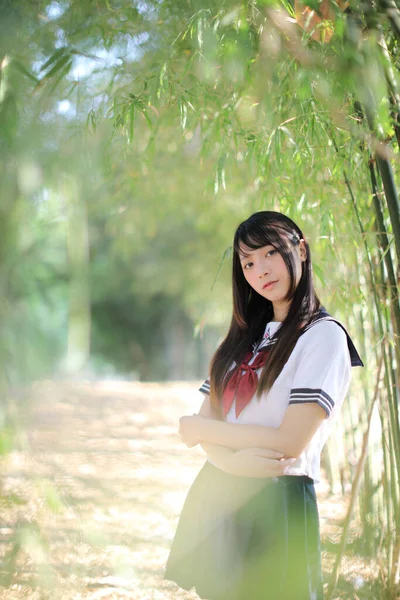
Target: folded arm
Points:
x,y
220,455
249,462
299,425
322,369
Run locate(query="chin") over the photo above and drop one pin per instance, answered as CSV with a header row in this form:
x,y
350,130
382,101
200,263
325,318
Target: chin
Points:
x,y
274,297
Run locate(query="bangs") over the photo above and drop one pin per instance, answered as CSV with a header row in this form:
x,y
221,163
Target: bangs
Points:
x,y
257,235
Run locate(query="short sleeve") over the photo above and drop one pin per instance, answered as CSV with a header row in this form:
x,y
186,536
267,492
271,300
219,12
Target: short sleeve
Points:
x,y
205,387
323,370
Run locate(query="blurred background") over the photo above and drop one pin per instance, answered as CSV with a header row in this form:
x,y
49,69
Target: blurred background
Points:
x,y
134,137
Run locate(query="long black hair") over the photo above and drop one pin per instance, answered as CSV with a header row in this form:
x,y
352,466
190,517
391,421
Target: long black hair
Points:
x,y
251,312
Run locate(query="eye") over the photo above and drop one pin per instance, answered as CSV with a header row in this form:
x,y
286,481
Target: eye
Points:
x,y
271,252
247,265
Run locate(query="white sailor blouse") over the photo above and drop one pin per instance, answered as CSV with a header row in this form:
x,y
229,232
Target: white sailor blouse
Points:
x,y
318,370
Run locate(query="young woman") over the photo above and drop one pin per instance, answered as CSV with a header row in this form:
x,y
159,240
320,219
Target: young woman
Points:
x,y
249,528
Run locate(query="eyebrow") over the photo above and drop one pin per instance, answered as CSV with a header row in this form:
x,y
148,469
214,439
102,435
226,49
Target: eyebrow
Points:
x,y
243,255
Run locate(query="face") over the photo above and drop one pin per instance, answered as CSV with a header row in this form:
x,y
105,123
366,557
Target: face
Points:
x,y
266,272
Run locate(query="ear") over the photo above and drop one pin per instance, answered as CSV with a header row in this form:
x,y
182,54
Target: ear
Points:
x,y
302,250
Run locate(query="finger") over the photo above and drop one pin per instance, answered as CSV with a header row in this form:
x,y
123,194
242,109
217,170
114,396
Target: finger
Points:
x,y
286,464
274,453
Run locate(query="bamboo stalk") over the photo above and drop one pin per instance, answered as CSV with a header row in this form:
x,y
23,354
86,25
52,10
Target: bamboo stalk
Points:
x,y
384,166
386,486
369,498
383,242
395,571
389,421
389,185
392,199
393,15
394,416
386,474
390,498
354,491
394,96
384,245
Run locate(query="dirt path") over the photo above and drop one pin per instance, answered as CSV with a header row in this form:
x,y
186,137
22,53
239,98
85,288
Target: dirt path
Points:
x,y
91,499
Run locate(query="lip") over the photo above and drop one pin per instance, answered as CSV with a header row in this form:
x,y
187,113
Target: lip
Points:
x,y
269,284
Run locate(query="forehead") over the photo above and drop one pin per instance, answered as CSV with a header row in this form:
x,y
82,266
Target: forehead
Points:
x,y
245,251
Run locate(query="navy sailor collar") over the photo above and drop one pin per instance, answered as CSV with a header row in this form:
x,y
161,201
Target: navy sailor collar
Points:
x,y
325,316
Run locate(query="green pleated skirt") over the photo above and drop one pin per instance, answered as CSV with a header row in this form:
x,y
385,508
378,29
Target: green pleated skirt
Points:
x,y
242,538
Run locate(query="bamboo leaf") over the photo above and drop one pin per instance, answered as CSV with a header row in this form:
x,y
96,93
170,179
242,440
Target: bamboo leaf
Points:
x,y
183,114
91,120
161,79
55,57
61,75
200,26
65,59
131,122
319,273
216,183
20,67
146,116
227,253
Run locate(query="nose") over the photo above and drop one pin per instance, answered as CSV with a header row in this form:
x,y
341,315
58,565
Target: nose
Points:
x,y
264,271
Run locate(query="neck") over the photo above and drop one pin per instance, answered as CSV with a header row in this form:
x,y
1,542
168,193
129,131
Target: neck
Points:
x,y
280,311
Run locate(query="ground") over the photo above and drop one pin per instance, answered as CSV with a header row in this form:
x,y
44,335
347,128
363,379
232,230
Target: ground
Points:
x,y
92,491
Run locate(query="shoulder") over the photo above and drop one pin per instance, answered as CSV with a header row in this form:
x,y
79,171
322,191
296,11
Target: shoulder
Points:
x,y
324,336
324,329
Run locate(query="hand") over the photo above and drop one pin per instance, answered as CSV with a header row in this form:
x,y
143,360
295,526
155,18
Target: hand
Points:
x,y
189,429
260,462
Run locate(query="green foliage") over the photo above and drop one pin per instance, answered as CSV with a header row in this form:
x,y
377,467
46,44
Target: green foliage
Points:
x,y
135,136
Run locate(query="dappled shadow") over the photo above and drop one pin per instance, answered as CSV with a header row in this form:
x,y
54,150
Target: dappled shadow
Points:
x,y
96,488
102,476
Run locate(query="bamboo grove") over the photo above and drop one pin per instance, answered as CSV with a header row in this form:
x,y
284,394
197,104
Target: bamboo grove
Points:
x,y
215,110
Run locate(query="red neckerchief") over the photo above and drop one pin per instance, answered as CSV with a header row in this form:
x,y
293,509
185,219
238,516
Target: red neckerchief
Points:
x,y
243,382
244,379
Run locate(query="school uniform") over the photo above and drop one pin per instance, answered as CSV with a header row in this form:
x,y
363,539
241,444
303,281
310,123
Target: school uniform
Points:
x,y
244,538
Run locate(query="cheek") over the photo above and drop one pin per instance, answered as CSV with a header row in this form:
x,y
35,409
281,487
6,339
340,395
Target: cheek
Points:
x,y
246,275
